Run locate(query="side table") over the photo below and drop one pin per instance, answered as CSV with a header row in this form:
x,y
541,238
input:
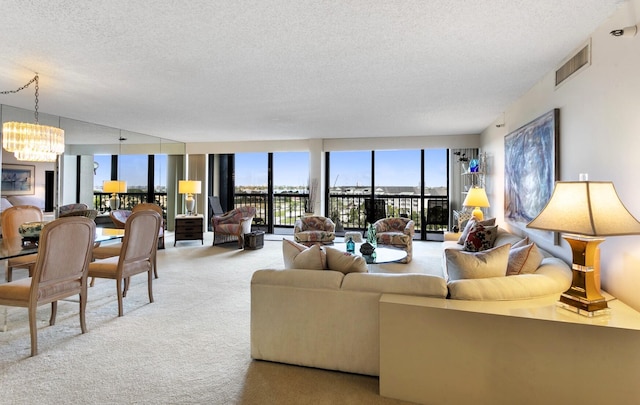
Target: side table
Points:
x,y
189,227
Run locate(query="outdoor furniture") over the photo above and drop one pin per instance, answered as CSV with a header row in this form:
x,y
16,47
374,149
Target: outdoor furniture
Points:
x,y
60,272
233,225
314,229
396,232
10,221
136,255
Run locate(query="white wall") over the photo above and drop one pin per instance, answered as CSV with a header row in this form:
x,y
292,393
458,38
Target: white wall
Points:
x,y
599,135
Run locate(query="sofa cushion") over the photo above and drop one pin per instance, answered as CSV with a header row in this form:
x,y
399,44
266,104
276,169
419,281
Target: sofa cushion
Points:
x,y
470,224
552,278
524,260
298,278
27,200
344,262
480,238
472,265
298,256
407,284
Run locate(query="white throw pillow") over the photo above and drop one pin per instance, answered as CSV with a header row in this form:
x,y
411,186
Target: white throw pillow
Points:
x,y
345,262
524,260
290,250
298,256
471,265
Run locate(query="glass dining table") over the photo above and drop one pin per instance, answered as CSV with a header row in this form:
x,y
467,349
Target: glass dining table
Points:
x,y
14,247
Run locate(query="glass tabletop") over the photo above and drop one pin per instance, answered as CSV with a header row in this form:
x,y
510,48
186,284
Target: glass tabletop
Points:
x,y
382,254
14,247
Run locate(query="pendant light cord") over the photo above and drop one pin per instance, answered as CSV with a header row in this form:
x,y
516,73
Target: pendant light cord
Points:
x,y
35,79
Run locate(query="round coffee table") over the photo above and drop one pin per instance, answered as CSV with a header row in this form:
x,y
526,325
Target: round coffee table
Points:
x,y
382,254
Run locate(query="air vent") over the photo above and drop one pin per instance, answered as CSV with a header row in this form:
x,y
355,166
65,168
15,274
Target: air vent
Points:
x,y
578,61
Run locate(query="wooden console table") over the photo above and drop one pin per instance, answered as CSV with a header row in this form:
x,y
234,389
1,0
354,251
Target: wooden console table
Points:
x,y
440,351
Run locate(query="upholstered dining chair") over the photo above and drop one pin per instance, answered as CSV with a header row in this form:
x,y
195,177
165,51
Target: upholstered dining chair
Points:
x,y
233,225
139,247
59,272
158,209
11,220
397,232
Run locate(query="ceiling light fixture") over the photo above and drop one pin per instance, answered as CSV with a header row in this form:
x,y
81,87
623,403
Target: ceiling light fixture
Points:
x,y
32,142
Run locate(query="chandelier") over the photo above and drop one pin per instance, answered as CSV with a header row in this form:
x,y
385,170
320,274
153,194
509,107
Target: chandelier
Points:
x,y
32,142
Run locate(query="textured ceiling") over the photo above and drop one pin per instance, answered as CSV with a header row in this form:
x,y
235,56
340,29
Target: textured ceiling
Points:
x,y
207,70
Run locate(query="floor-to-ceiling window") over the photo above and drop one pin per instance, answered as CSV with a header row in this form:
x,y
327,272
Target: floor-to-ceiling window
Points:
x,y
436,175
397,178
367,185
349,183
290,186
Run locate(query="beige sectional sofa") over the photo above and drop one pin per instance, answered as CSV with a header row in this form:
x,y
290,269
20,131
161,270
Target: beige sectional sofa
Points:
x,y
327,319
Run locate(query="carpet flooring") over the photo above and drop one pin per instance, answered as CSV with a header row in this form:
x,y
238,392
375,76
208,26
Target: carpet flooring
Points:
x,y
191,346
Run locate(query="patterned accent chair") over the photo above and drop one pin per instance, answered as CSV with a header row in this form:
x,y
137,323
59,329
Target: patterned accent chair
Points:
x,y
233,225
314,230
66,209
397,232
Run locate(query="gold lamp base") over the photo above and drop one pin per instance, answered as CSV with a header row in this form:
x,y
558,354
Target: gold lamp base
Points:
x,y
584,297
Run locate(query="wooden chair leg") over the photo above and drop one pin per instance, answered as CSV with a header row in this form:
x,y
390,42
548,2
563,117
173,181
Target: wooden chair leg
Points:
x,y
119,292
150,283
54,311
83,307
33,329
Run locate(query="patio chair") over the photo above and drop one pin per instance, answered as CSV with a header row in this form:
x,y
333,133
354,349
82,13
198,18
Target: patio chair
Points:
x,y
59,272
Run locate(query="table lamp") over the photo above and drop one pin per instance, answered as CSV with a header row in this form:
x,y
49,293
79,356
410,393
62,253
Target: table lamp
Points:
x,y
585,212
476,197
189,187
114,187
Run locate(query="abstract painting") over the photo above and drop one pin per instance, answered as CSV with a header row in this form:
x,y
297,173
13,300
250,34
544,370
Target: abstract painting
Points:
x,y
531,167
17,180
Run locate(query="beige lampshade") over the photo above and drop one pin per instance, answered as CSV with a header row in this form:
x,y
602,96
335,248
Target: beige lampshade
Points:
x,y
589,208
476,197
189,186
114,186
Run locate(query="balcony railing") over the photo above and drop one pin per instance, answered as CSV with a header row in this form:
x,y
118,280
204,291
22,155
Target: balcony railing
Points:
x,y
128,200
349,210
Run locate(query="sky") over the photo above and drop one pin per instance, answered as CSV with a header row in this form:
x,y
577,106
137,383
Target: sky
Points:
x,y
132,168
393,168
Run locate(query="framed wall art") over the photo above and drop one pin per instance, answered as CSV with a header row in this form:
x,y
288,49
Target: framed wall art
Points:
x,y
18,179
531,168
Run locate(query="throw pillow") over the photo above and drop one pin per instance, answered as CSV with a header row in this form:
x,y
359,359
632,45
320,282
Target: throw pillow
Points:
x,y
480,238
521,243
470,224
298,256
524,260
345,262
470,265
290,250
